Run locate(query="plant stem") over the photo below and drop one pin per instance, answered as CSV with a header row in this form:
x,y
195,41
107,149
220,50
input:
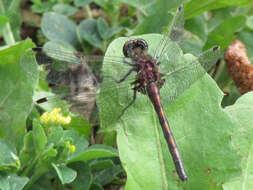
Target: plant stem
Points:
x,y
7,32
87,11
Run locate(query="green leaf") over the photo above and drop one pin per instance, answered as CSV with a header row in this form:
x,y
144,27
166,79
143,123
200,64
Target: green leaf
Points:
x,y
250,22
88,31
58,27
201,129
102,28
27,153
84,178
229,27
153,23
150,7
193,8
96,186
65,174
8,156
80,142
39,137
15,85
106,176
242,139
246,37
55,136
80,3
12,182
64,9
93,152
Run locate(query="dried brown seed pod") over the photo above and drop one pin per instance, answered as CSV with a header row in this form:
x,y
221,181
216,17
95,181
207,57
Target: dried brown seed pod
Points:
x,y
239,66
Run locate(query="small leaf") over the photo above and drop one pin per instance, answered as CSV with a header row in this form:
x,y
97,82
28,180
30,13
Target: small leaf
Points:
x,y
65,174
102,28
39,137
88,31
64,9
58,27
81,3
93,152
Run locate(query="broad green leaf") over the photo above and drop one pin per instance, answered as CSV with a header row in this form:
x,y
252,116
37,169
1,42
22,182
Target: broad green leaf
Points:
x,y
84,177
65,174
93,152
150,7
201,129
87,30
193,8
39,137
8,156
229,26
16,93
58,27
242,139
12,182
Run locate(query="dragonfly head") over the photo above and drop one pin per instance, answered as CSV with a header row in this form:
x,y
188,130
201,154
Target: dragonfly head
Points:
x,y
134,46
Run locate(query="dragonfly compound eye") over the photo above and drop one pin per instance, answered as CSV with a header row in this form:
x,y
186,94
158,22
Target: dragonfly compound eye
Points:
x,y
130,45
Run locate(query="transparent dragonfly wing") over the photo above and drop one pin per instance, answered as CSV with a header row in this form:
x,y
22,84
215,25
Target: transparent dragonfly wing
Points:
x,y
181,75
70,78
174,34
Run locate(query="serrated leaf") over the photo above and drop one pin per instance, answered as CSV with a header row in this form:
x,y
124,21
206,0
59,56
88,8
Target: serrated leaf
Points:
x,y
65,174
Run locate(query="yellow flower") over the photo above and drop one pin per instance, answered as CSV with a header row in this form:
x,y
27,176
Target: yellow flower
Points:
x,y
72,148
54,117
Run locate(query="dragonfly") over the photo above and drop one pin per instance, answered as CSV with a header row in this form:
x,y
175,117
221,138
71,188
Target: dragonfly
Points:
x,y
140,70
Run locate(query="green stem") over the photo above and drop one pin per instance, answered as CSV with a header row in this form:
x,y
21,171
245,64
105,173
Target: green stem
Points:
x,y
87,11
7,32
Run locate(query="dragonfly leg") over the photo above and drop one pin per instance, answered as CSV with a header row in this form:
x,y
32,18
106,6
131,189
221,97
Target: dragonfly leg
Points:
x,y
125,76
131,103
128,63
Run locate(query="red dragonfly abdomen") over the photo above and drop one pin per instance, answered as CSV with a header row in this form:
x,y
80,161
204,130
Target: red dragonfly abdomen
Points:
x,y
154,96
